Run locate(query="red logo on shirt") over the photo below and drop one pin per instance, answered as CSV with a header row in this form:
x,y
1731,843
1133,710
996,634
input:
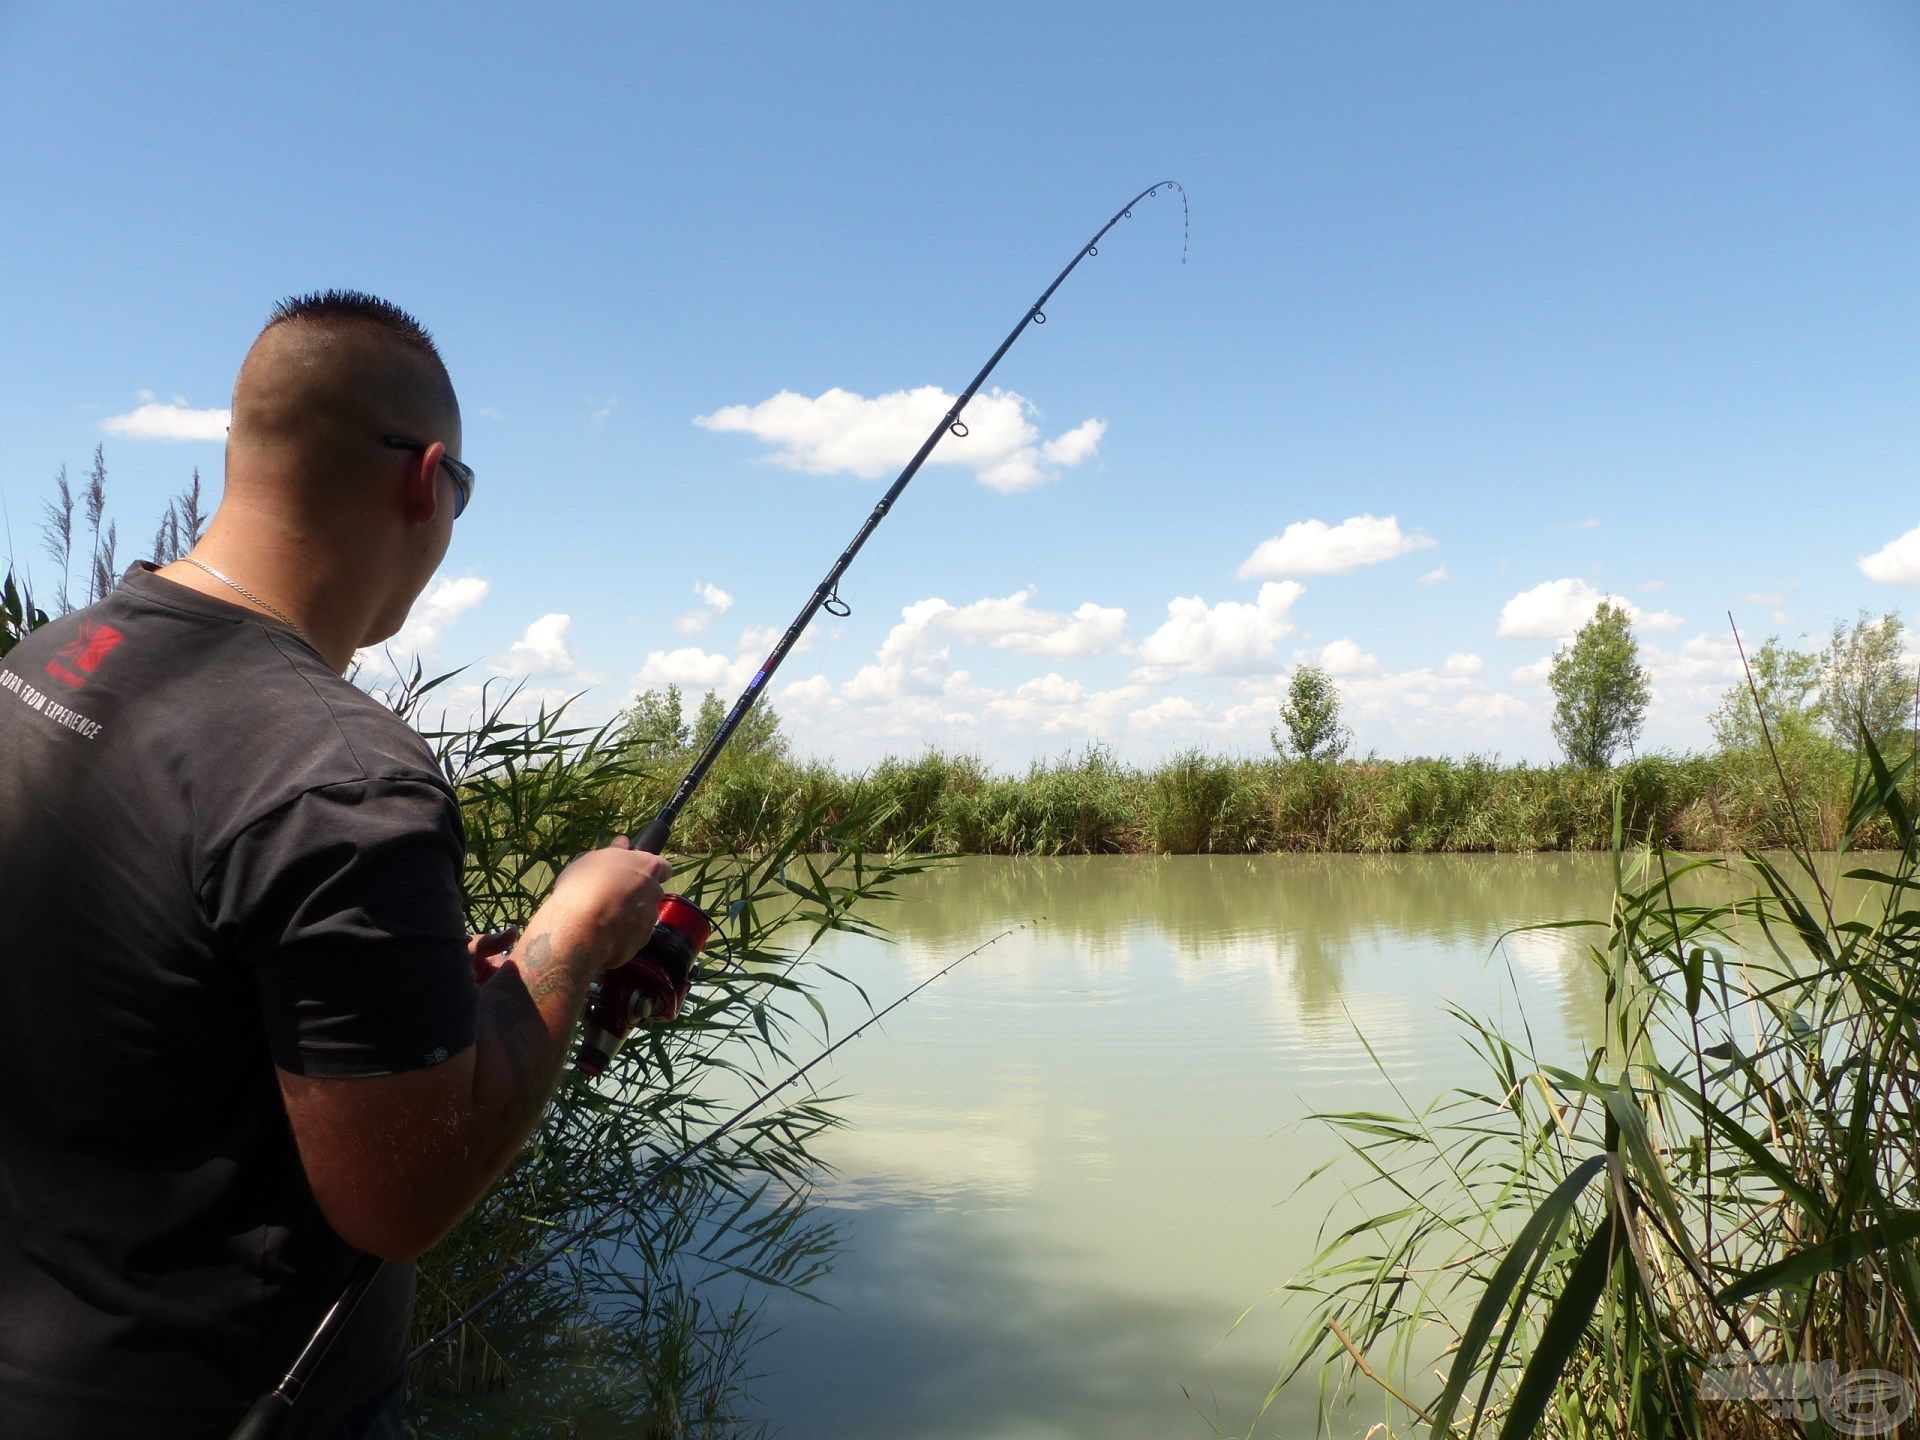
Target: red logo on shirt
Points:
x,y
83,656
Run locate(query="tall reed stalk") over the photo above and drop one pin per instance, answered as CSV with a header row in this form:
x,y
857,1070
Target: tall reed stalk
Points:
x,y
644,1331
1729,1182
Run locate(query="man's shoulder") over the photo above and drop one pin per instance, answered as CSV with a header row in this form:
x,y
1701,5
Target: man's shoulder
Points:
x,y
250,713
378,743
315,730
315,734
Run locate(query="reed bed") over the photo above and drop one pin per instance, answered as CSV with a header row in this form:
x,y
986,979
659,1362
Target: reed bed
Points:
x,y
1196,803
1706,1226
645,1329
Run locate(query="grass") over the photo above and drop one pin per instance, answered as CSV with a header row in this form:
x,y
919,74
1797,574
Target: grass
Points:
x,y
1604,1248
1196,803
645,1331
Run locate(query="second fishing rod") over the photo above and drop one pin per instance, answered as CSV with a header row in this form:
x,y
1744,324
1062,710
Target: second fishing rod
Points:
x,y
654,983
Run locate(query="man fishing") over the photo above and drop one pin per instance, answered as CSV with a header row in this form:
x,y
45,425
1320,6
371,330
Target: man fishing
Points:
x,y
240,1038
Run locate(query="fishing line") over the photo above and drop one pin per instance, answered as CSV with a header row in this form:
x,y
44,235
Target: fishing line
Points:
x,y
676,1162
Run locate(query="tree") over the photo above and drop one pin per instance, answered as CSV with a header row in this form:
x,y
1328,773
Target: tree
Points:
x,y
759,732
1788,682
1864,681
1860,676
1311,716
657,729
1600,689
655,726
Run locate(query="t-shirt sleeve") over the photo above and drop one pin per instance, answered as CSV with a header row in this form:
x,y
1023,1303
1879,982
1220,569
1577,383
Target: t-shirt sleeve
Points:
x,y
344,905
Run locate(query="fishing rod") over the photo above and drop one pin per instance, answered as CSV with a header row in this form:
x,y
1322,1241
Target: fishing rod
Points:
x,y
653,984
826,595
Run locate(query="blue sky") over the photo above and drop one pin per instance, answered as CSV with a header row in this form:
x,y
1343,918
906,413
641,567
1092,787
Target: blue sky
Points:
x,y
1601,301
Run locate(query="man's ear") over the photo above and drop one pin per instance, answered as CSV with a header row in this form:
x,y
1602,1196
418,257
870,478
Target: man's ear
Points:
x,y
420,489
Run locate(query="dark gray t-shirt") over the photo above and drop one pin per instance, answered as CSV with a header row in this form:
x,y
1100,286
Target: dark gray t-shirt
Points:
x,y
218,857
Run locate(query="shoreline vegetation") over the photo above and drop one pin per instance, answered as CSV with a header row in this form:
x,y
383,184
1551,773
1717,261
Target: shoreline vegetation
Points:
x,y
1201,804
1706,1226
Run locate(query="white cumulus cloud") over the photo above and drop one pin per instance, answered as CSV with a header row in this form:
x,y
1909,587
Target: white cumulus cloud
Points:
x,y
543,649
433,614
172,420
437,610
1345,657
1555,609
1436,576
841,431
1079,443
1313,547
808,692
1895,563
1010,623
1171,712
916,656
1231,638
714,602
695,670
1052,689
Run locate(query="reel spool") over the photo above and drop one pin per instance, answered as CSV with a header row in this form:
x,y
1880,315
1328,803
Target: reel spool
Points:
x,y
650,986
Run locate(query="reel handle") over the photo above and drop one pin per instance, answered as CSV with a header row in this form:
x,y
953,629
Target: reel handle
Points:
x,y
649,987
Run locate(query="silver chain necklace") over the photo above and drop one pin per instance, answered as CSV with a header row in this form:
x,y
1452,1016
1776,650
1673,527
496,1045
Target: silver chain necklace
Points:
x,y
272,610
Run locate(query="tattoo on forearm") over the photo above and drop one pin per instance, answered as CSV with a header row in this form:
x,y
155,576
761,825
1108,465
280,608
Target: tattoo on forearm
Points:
x,y
513,1019
544,973
510,1014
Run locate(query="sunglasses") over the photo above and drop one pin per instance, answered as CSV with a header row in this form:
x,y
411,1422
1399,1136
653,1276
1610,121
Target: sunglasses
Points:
x,y
461,472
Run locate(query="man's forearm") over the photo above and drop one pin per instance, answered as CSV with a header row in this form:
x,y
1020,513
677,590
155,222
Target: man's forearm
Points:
x,y
528,1011
396,1160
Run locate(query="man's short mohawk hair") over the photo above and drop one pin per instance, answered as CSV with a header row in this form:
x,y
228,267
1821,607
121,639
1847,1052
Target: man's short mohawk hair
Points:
x,y
328,306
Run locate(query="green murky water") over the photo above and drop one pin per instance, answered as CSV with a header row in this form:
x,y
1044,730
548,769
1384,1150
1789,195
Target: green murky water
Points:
x,y
1071,1165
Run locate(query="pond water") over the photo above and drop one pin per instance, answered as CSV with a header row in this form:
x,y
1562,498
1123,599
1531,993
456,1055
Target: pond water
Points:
x,y
1070,1166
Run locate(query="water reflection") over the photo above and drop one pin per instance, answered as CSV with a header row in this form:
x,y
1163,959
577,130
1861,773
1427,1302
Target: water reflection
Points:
x,y
1304,921
1062,1173
1072,1163
1188,899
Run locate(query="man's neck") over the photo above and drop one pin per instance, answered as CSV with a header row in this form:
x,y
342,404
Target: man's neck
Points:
x,y
266,579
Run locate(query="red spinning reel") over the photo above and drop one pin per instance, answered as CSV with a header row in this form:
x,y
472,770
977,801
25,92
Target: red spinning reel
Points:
x,y
651,986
